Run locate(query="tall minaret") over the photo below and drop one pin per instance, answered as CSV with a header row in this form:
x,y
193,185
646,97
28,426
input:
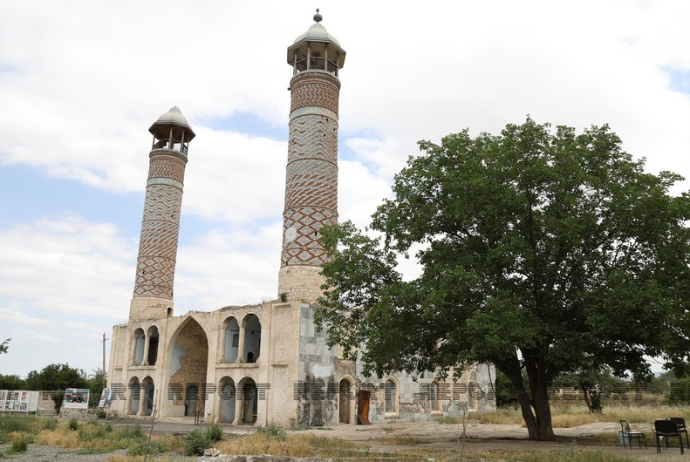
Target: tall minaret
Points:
x,y
160,226
311,185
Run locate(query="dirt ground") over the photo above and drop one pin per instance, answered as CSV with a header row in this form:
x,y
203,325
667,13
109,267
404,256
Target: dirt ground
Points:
x,y
480,438
489,438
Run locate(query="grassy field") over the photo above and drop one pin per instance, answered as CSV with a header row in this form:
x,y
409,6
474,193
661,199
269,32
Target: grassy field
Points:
x,y
102,437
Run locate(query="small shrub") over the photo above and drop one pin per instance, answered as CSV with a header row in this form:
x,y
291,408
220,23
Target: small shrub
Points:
x,y
197,442
73,424
272,431
108,427
20,444
101,414
214,433
136,450
50,424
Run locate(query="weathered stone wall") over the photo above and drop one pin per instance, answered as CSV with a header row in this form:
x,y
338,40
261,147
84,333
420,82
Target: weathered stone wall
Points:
x,y
318,380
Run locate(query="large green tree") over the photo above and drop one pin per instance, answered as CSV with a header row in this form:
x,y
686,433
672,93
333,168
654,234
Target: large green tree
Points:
x,y
542,251
56,377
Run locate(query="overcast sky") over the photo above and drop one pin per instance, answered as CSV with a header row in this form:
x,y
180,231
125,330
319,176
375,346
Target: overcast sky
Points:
x,y
82,81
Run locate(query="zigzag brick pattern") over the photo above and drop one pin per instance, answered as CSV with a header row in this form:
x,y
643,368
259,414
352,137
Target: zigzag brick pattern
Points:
x,y
160,229
162,166
315,89
311,186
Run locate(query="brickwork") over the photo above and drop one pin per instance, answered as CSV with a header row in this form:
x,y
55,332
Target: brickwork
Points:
x,y
311,186
167,166
315,88
160,226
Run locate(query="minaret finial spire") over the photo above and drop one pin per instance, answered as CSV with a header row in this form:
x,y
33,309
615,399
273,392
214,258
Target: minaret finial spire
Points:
x,y
317,16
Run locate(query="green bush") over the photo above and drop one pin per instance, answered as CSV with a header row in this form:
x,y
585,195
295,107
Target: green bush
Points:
x,y
50,424
214,433
20,444
73,424
108,427
101,414
196,443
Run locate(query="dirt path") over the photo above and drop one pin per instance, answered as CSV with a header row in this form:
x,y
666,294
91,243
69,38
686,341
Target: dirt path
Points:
x,y
490,438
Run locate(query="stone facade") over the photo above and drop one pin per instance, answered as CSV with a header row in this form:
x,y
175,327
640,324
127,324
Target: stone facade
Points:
x,y
263,364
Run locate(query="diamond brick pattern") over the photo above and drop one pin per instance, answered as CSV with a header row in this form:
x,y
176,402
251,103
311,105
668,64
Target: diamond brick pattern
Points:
x,y
162,166
305,249
160,229
315,89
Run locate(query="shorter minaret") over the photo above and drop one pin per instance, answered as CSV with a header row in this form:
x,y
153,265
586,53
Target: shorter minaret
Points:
x,y
311,184
160,226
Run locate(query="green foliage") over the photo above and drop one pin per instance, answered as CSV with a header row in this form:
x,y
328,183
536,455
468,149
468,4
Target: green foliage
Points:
x,y
96,383
680,392
543,252
4,345
15,423
11,382
214,433
56,376
506,397
272,431
58,397
20,444
132,431
73,424
50,424
196,443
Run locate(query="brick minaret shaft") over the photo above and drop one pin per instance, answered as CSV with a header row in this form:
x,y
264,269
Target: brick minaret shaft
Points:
x,y
153,287
311,185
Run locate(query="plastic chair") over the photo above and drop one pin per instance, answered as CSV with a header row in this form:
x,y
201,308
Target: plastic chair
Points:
x,y
629,436
665,429
680,421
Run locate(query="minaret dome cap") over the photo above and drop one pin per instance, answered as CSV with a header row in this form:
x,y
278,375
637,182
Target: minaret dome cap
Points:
x,y
317,33
175,120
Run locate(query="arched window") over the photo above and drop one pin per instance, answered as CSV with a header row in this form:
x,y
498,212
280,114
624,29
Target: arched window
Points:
x,y
231,344
153,346
252,339
433,396
148,395
391,394
134,396
139,345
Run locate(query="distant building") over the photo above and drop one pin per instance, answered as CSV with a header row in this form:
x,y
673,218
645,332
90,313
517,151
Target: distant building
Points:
x,y
262,364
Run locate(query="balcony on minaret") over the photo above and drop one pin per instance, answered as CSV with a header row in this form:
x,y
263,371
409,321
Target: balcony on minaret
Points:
x,y
172,132
316,50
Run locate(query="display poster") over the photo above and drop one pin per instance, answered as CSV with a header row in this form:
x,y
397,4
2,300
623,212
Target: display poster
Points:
x,y
76,398
18,401
104,402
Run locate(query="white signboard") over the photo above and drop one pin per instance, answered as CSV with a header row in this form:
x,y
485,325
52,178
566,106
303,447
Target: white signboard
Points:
x,y
76,398
18,401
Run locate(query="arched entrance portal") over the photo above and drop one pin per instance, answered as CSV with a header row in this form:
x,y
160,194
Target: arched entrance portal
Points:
x,y
227,400
188,362
250,403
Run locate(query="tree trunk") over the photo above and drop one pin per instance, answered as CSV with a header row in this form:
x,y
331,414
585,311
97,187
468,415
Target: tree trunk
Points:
x,y
535,407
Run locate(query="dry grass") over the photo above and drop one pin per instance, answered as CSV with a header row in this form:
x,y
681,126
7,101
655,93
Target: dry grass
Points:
x,y
573,415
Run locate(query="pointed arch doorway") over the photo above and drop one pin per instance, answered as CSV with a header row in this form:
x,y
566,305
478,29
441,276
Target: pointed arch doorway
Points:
x,y
188,368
